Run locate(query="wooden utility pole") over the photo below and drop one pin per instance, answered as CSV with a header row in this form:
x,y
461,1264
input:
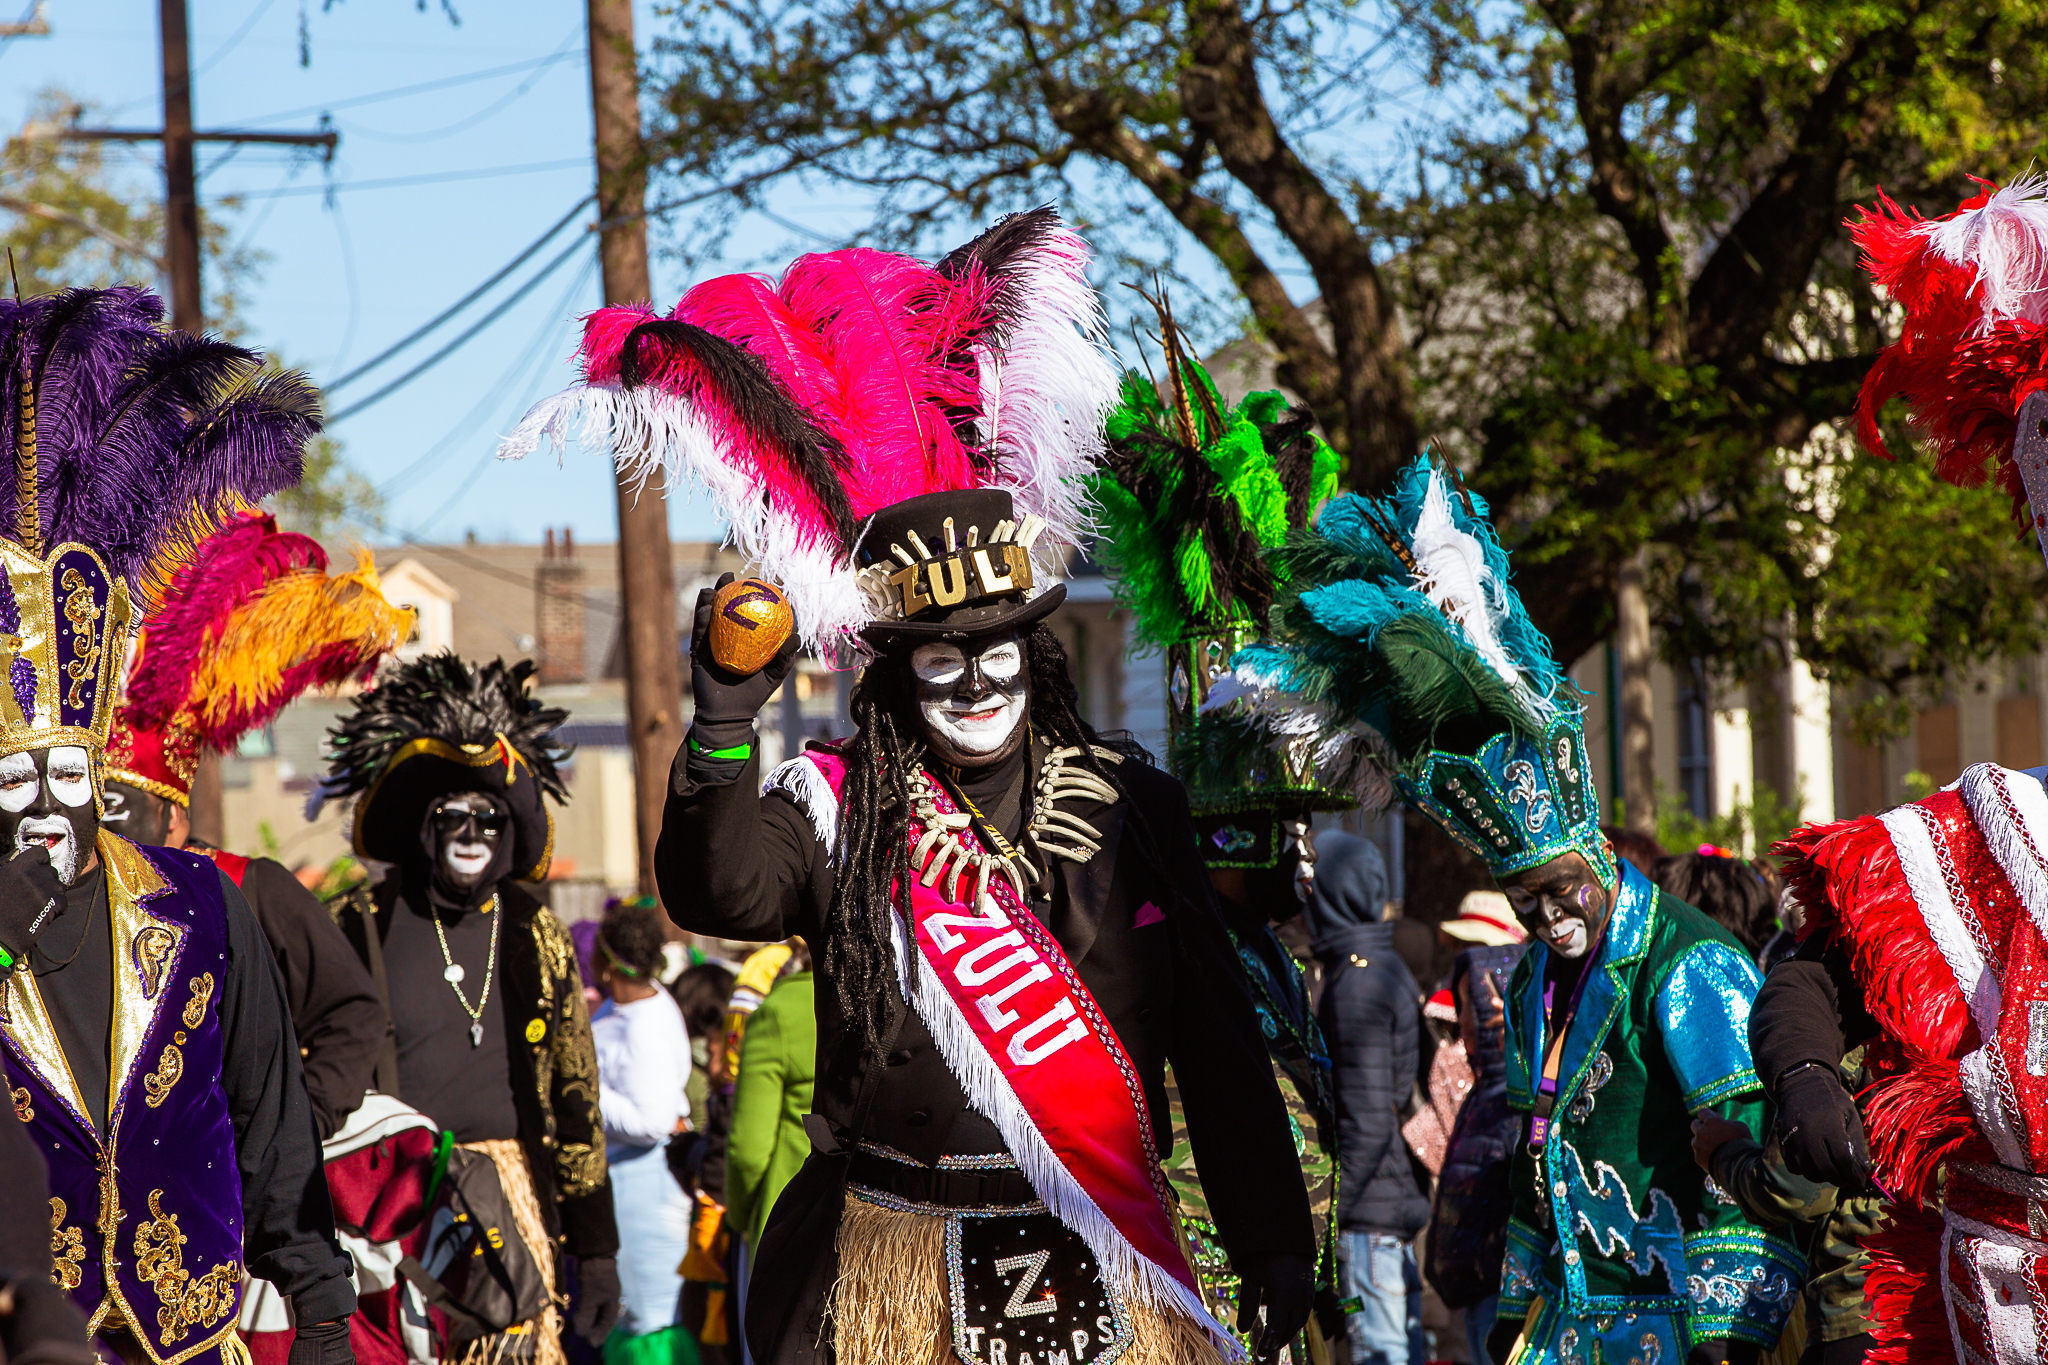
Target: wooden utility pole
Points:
x,y
181,263
181,182
647,585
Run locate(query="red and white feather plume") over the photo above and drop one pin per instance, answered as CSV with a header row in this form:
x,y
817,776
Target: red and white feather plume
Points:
x,y
862,378
1974,344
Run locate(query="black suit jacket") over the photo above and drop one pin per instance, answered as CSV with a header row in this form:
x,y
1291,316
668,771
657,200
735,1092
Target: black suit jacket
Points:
x,y
744,866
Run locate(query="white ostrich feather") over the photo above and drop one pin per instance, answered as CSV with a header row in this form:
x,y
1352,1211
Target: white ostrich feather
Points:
x,y
2007,241
1453,574
651,432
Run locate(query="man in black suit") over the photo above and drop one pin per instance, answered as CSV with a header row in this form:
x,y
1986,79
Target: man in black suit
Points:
x,y
971,794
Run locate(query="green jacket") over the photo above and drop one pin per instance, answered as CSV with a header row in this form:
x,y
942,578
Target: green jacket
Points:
x,y
1631,1251
778,1067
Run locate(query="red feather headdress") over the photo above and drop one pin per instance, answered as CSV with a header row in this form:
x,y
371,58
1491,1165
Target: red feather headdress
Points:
x,y
1974,344
859,380
248,624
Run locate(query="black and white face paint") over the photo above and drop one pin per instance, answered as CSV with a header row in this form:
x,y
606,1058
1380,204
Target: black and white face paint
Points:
x,y
1562,903
46,800
1301,841
974,698
470,838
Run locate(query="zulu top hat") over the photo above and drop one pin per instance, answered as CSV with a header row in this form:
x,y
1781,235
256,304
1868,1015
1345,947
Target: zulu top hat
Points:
x,y
1403,653
1192,493
129,445
438,726
842,416
247,626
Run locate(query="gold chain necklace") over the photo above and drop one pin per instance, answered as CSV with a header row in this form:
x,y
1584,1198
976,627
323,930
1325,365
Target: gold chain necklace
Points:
x,y
453,972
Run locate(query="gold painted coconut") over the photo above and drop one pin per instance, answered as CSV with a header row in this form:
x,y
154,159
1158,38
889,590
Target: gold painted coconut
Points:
x,y
749,621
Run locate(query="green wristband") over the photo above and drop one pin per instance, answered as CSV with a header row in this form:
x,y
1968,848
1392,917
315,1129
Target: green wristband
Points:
x,y
6,960
734,754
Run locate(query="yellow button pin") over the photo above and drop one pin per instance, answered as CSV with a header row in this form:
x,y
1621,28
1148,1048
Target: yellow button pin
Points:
x,y
536,1029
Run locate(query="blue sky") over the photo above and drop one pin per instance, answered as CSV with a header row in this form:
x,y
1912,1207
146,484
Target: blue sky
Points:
x,y
483,167
433,190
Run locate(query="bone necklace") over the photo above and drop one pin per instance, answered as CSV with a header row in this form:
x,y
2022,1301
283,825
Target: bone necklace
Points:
x,y
1061,834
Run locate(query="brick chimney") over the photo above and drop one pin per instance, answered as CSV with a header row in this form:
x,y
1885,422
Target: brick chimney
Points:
x,y
558,611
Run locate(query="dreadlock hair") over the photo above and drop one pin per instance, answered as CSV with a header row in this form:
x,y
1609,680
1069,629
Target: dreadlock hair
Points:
x,y
873,852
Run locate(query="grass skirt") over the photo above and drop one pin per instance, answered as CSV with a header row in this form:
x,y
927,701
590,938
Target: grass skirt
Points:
x,y
889,1305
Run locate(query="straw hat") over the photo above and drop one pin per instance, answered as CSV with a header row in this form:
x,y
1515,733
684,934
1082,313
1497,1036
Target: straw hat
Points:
x,y
1484,917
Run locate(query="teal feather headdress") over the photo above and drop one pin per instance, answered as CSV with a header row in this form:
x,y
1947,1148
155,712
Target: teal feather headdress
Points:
x,y
1192,494
1403,656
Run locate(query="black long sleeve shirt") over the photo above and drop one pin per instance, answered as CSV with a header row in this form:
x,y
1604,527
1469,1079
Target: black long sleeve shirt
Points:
x,y
335,1010
749,867
288,1221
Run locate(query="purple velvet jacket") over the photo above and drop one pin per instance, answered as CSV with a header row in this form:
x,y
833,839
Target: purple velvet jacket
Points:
x,y
146,1223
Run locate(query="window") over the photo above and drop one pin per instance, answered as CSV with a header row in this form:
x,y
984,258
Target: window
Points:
x,y
1695,754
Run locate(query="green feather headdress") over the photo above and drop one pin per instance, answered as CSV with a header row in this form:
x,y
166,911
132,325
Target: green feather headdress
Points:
x,y
1193,492
1401,653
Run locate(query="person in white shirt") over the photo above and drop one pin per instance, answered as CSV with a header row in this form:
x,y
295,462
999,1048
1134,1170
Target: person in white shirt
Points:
x,y
643,1065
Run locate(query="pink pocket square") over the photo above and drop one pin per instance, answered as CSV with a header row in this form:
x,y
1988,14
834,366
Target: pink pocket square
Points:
x,y
1148,913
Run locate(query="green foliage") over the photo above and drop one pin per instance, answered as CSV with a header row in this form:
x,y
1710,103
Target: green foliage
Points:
x,y
1612,234
343,875
1871,571
266,839
1752,825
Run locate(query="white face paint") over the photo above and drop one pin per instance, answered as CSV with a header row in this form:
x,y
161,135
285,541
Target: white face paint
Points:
x,y
464,856
18,783
972,703
69,783
1566,934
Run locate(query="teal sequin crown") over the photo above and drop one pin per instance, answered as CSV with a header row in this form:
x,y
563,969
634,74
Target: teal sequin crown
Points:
x,y
1402,657
1518,803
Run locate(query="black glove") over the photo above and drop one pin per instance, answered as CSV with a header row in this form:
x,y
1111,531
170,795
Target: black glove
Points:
x,y
39,1325
1819,1130
597,1299
31,898
1285,1285
323,1343
726,704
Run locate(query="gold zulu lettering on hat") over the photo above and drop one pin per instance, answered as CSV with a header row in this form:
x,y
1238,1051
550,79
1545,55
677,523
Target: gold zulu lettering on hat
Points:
x,y
928,580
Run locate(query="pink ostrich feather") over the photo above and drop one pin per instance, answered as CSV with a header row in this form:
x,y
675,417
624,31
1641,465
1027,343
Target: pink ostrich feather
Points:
x,y
746,309
990,370
897,332
604,339
232,565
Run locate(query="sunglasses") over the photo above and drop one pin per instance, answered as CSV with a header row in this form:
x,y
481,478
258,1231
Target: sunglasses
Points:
x,y
453,819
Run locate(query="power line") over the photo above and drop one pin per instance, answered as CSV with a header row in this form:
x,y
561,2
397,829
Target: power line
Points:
x,y
479,325
399,182
517,92
471,297
401,92
520,371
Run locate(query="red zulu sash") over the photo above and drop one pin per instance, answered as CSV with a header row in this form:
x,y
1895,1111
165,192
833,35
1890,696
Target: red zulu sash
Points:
x,y
1033,1052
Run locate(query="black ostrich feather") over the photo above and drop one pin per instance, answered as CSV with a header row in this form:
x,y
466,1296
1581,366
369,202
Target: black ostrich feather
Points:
x,y
443,697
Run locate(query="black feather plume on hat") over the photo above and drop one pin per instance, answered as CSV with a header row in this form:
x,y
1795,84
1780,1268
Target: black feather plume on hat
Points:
x,y
442,697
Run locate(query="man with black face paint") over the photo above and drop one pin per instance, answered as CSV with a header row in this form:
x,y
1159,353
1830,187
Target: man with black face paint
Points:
x,y
1409,649
968,721
1010,924
151,1059
490,1033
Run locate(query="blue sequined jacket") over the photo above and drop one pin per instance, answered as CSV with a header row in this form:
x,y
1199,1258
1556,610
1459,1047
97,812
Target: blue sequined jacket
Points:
x,y
1615,1230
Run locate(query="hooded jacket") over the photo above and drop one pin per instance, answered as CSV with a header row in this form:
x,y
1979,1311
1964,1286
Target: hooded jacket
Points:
x,y
1371,1016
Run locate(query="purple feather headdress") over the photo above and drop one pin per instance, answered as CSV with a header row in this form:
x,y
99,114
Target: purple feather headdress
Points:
x,y
127,445
143,439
